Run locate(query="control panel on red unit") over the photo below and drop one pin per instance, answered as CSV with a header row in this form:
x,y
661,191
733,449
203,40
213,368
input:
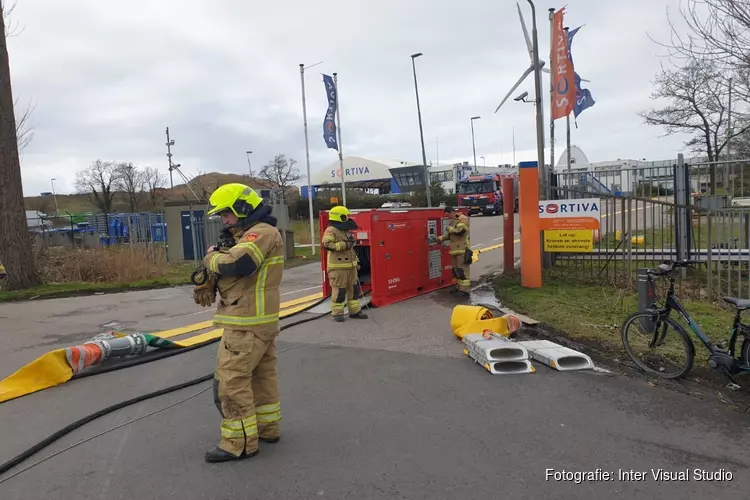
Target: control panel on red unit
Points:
x,y
434,254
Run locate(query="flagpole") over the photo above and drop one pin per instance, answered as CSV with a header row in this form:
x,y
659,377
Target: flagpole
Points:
x,y
307,157
338,127
567,118
551,91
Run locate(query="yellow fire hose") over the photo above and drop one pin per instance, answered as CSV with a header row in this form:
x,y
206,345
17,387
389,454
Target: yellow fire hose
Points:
x,y
54,368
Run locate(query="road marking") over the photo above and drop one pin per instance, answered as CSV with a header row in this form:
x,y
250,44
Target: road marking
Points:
x,y
216,333
301,290
491,247
501,237
302,300
286,309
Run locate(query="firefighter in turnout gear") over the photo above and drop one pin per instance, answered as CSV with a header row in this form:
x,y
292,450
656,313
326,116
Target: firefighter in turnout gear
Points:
x,y
247,276
3,274
342,265
460,249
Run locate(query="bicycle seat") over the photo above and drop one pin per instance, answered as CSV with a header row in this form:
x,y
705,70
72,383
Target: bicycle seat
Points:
x,y
740,304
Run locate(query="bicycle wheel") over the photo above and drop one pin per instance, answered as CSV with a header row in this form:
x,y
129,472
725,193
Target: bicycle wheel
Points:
x,y
676,350
745,352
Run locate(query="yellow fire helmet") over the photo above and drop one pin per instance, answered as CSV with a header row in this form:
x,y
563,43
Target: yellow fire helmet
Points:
x,y
242,200
339,214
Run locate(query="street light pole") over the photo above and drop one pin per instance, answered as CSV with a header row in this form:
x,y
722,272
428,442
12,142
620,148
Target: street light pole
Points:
x,y
249,166
421,133
473,147
170,143
54,195
307,155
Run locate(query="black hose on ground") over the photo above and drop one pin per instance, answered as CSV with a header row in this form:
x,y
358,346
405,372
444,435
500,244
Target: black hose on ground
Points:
x,y
83,421
166,353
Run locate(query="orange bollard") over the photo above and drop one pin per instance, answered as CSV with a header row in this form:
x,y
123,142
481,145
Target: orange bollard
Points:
x,y
528,214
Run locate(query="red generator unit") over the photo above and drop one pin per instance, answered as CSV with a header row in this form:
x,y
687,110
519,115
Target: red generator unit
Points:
x,y
399,253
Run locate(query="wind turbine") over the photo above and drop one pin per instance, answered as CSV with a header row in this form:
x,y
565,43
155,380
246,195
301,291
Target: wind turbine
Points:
x,y
532,67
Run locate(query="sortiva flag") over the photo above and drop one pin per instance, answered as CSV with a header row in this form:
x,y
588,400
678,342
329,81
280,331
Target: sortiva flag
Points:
x,y
564,96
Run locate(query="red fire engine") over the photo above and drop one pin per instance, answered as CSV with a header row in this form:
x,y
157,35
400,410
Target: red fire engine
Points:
x,y
483,193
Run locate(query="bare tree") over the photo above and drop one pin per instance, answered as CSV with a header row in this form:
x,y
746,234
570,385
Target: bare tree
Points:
x,y
24,127
130,180
99,182
281,173
697,101
716,29
154,182
15,240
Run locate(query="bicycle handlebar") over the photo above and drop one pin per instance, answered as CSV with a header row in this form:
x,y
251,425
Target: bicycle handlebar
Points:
x,y
666,268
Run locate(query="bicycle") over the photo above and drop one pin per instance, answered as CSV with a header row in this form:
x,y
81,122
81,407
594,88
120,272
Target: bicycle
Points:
x,y
656,321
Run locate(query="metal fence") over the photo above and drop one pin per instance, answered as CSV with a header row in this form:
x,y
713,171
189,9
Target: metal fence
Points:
x,y
146,230
664,212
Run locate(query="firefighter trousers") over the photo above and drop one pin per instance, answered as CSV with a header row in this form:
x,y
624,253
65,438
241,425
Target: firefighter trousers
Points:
x,y
461,272
246,389
345,291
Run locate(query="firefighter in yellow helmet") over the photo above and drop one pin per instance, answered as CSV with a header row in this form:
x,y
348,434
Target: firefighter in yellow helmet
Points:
x,y
460,249
342,264
248,276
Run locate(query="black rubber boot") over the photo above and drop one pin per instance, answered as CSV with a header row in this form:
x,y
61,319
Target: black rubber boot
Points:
x,y
217,455
339,319
269,440
358,315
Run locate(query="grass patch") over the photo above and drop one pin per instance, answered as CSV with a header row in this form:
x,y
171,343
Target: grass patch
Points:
x,y
301,229
67,272
594,314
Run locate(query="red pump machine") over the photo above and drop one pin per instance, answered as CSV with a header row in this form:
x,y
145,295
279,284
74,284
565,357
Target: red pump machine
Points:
x,y
399,253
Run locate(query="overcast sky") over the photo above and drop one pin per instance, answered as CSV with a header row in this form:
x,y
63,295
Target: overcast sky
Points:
x,y
108,77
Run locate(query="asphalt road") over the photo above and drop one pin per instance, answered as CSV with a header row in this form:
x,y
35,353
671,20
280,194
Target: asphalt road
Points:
x,y
382,408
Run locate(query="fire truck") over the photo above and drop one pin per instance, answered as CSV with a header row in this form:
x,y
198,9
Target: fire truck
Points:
x,y
483,193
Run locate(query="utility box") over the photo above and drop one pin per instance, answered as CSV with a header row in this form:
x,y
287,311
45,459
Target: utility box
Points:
x,y
399,253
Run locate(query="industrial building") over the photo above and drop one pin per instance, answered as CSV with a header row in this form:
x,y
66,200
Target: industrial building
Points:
x,y
389,176
622,177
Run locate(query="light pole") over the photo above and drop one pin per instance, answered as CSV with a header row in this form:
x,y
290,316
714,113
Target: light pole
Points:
x,y
54,195
473,147
307,154
421,132
249,166
484,161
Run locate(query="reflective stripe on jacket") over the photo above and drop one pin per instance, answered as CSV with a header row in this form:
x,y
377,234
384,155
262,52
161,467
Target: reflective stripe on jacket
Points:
x,y
339,257
458,234
249,279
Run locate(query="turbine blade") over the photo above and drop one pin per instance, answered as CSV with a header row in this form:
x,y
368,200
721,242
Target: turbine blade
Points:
x,y
545,70
526,34
518,83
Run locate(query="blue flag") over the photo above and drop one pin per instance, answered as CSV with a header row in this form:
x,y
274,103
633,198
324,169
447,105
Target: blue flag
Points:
x,y
329,124
584,99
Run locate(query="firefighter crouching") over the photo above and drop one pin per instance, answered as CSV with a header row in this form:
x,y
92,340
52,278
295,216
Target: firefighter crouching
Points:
x,y
342,265
460,250
248,276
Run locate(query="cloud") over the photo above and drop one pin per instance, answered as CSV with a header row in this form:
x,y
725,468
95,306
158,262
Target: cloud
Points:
x,y
108,78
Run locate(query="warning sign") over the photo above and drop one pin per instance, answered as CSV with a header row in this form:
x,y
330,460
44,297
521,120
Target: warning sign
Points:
x,y
571,240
